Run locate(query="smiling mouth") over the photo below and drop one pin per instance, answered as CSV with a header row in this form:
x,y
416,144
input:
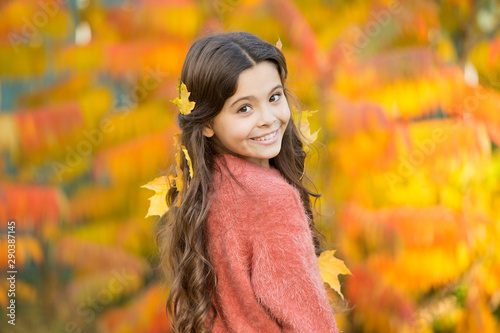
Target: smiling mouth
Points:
x,y
267,136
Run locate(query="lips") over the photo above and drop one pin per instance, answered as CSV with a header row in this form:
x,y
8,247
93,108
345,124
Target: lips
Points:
x,y
266,137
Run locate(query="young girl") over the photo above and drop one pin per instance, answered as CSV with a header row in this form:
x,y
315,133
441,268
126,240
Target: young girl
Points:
x,y
239,240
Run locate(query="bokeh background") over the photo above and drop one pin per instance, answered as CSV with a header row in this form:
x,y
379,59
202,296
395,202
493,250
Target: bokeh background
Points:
x,y
407,159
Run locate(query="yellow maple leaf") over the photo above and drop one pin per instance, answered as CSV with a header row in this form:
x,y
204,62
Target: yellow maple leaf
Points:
x,y
158,203
304,127
178,148
162,185
330,268
179,184
188,159
182,102
179,179
279,44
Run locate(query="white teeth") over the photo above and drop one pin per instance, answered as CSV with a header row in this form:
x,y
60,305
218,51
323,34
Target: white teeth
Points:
x,y
267,137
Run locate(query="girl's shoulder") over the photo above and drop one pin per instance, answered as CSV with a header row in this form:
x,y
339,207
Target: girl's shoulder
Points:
x,y
248,192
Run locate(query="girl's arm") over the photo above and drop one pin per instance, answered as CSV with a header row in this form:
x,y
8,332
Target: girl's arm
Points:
x,y
285,274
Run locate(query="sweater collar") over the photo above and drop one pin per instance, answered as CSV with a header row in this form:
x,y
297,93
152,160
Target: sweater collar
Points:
x,y
235,163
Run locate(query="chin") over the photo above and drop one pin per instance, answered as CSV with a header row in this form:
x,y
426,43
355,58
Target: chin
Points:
x,y
272,155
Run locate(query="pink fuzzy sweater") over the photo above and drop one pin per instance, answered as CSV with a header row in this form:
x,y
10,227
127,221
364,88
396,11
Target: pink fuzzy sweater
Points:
x,y
261,247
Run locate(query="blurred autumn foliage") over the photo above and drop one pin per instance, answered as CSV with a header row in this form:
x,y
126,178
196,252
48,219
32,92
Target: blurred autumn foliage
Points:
x,y
408,94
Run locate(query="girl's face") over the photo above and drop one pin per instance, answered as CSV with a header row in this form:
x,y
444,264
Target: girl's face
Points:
x,y
253,120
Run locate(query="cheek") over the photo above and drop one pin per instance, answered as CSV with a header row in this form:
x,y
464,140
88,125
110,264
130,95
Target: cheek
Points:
x,y
234,133
285,114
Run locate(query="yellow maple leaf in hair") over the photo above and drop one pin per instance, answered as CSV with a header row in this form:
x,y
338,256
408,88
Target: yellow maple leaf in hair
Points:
x,y
279,44
188,159
179,179
179,184
182,102
304,128
158,202
330,268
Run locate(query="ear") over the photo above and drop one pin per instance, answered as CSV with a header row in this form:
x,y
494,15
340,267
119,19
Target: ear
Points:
x,y
208,132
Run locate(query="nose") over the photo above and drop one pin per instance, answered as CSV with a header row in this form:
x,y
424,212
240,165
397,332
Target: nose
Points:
x,y
267,116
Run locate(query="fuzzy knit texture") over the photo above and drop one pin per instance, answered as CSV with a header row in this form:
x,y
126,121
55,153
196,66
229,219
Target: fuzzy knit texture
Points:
x,y
261,247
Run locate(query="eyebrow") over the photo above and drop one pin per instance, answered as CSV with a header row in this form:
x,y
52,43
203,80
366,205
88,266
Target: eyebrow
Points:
x,y
252,97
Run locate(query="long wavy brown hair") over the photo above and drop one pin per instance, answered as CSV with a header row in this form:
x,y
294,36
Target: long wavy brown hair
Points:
x,y
210,72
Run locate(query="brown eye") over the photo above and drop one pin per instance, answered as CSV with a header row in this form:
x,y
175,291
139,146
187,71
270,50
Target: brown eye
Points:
x,y
275,97
244,109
